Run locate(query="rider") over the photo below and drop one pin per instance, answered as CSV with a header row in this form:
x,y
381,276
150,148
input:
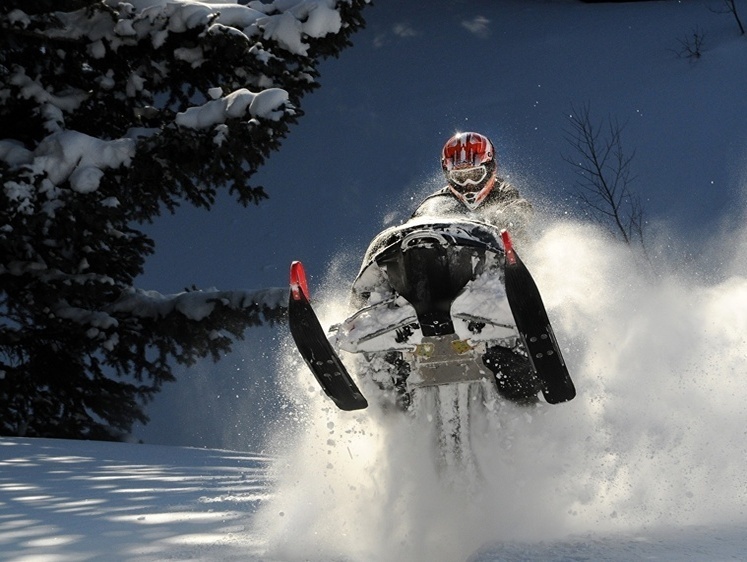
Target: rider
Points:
x,y
474,190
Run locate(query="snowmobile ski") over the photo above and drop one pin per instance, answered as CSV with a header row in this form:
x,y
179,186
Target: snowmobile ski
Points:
x,y
315,348
534,327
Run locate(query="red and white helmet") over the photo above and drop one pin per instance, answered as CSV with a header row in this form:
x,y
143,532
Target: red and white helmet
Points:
x,y
469,164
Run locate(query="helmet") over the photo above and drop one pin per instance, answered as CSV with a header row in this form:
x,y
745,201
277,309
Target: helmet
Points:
x,y
469,164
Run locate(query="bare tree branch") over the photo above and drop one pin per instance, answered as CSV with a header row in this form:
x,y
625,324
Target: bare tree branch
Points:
x,y
604,174
691,46
730,7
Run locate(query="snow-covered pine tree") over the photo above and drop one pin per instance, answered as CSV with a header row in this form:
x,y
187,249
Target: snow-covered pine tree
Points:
x,y
112,112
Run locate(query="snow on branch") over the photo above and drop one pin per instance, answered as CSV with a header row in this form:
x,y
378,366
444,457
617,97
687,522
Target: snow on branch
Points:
x,y
198,305
80,158
266,104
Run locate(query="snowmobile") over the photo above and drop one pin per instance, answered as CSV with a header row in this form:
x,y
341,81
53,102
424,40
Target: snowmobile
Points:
x,y
432,299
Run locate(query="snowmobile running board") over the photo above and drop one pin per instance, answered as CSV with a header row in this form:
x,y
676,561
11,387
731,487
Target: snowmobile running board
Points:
x,y
315,348
535,329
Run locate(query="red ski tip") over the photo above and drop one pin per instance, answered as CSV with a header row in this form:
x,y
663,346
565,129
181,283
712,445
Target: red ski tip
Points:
x,y
298,284
508,247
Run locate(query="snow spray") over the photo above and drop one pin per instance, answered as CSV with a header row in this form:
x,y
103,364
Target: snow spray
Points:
x,y
656,436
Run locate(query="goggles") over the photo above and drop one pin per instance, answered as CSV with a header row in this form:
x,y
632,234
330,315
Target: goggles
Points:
x,y
469,178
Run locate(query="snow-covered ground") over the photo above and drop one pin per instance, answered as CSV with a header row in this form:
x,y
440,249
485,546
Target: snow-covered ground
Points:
x,y
71,501
646,463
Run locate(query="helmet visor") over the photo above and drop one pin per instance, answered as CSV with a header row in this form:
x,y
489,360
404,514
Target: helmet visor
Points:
x,y
468,179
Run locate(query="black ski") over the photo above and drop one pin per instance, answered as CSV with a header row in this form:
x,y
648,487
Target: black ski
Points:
x,y
315,348
534,327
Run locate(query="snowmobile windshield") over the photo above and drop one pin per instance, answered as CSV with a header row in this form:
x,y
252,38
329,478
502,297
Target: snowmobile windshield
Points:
x,y
469,179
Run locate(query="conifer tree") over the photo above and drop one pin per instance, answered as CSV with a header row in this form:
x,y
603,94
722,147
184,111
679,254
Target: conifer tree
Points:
x,y
113,112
